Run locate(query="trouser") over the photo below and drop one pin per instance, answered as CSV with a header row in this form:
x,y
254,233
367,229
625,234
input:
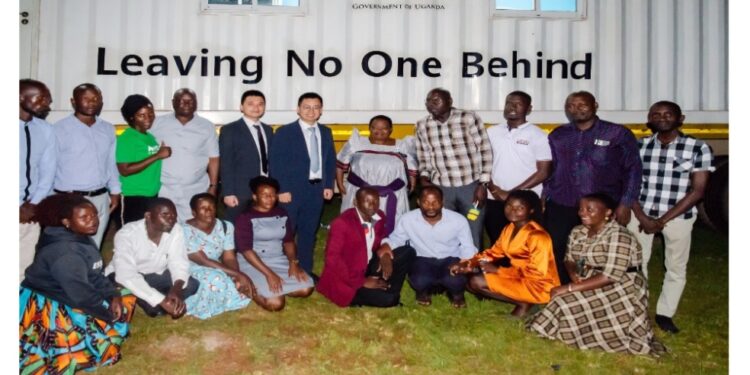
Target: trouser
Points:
x,y
426,274
304,210
101,202
28,237
677,236
162,283
494,219
402,260
559,221
461,200
132,208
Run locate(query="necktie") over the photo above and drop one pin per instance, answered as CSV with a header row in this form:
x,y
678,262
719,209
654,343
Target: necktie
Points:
x,y
263,154
28,161
314,157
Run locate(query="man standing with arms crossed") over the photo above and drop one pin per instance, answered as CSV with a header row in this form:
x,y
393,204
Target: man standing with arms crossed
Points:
x,y
454,153
676,168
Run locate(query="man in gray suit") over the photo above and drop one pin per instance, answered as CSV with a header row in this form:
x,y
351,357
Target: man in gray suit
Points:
x,y
243,149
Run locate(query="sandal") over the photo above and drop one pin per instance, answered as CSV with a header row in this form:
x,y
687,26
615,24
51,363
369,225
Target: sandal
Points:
x,y
424,299
458,302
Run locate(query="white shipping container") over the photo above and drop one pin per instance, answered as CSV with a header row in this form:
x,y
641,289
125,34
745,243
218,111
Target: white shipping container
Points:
x,y
629,53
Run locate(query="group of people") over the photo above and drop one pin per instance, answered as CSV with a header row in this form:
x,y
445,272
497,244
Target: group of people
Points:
x,y
576,251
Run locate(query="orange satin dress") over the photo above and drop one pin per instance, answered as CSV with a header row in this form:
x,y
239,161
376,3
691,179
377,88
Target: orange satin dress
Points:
x,y
532,273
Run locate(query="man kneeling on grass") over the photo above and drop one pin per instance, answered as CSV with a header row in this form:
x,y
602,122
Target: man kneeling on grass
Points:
x,y
151,260
440,237
354,274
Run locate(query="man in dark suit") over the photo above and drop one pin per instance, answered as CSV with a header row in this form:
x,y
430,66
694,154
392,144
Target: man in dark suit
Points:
x,y
243,149
303,160
354,273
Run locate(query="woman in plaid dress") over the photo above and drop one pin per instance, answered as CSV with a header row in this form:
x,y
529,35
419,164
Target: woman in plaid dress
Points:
x,y
606,304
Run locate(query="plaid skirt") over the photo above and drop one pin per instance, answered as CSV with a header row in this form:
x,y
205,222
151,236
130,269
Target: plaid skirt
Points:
x,y
58,339
613,318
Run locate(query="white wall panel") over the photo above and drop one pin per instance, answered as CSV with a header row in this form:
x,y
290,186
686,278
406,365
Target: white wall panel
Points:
x,y
642,51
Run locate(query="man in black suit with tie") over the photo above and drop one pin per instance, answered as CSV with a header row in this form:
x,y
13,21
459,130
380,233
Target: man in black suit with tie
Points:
x,y
303,160
243,150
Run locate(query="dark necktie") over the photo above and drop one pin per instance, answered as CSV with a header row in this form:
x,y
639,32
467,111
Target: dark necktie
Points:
x,y
28,160
263,155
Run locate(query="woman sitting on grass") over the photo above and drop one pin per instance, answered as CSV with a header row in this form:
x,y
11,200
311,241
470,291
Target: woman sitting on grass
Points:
x,y
266,239
520,267
210,247
606,304
71,316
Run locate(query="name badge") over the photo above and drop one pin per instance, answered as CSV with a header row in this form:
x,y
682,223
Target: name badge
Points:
x,y
601,142
522,142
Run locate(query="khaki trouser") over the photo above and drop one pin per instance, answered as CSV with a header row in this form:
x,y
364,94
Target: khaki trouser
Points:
x,y
28,237
677,236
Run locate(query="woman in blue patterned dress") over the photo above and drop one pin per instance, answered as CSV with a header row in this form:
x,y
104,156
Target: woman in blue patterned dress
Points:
x,y
210,246
266,240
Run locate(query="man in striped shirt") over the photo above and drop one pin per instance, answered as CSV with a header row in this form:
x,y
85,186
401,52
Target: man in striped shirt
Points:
x,y
454,153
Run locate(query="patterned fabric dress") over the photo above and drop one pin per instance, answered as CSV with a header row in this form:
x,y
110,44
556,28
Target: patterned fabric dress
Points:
x,y
217,292
614,317
58,339
377,165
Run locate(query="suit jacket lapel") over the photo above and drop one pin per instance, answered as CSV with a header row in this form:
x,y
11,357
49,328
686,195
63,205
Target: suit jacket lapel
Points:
x,y
245,133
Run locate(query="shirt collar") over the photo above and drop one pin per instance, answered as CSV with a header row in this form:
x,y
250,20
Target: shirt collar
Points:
x,y
375,217
450,114
249,122
306,125
654,138
519,127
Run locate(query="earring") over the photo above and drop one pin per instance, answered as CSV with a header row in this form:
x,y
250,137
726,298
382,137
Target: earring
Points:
x,y
606,218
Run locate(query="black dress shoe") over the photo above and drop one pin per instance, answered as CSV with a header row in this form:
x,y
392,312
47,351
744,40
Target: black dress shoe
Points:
x,y
666,324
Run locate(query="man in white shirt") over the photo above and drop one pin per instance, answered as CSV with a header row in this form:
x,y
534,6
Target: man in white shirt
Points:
x,y
151,260
521,159
440,237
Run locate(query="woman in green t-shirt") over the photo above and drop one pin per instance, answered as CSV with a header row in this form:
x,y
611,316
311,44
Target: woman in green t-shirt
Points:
x,y
138,157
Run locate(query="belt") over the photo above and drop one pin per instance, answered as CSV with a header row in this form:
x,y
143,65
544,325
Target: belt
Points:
x,y
630,269
92,193
314,181
634,269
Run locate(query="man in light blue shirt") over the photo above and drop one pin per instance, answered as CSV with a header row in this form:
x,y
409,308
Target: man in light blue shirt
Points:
x,y
440,237
37,163
85,147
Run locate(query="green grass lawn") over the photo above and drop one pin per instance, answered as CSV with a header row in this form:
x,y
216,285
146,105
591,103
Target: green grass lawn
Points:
x,y
314,336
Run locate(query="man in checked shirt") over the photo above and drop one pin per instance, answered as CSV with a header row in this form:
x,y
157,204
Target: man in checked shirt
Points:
x,y
675,173
454,153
